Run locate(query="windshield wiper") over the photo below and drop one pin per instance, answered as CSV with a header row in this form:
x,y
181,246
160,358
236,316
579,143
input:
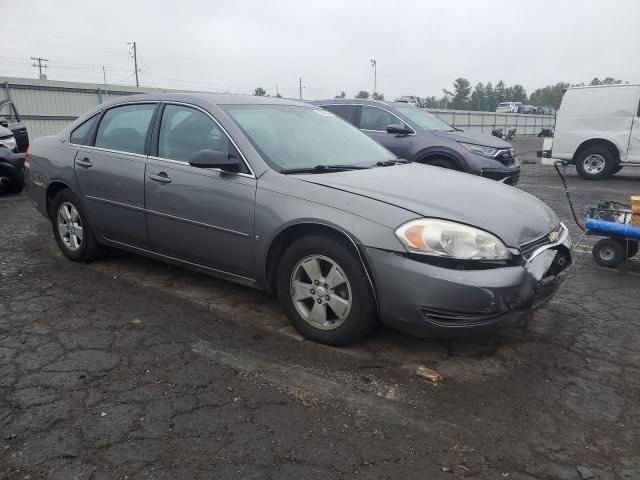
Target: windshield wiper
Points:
x,y
388,163
324,168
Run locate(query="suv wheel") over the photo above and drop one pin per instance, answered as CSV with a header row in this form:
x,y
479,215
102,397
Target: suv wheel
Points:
x,y
72,229
324,290
596,163
442,163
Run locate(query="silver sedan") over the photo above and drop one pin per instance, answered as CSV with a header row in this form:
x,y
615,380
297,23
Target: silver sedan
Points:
x,y
286,197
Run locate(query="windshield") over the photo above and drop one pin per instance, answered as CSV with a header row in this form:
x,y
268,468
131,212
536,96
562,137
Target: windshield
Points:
x,y
290,137
424,119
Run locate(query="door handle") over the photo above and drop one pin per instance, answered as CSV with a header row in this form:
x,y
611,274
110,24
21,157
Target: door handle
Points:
x,y
85,162
160,177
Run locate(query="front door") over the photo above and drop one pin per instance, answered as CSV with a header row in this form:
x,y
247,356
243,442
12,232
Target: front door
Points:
x,y
374,122
110,171
633,154
204,216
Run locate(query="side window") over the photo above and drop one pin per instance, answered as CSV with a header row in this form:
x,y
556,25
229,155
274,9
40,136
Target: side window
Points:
x,y
7,111
185,131
348,112
125,128
79,135
373,118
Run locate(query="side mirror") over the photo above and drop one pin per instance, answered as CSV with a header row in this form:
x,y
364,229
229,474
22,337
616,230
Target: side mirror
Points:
x,y
4,122
214,159
398,128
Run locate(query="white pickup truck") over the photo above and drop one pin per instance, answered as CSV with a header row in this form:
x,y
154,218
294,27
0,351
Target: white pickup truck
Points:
x,y
597,129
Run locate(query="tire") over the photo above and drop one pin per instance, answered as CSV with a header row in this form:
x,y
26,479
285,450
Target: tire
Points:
x,y
596,163
349,293
609,252
631,248
16,186
62,209
442,163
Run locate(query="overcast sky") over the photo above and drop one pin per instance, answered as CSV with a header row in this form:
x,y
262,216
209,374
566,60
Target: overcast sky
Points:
x,y
235,46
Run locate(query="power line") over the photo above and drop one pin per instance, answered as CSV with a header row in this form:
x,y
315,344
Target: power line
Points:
x,y
59,35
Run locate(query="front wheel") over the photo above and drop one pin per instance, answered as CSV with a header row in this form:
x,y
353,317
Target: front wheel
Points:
x,y
325,292
596,163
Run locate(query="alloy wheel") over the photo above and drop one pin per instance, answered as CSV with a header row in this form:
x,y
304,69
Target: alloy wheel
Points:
x,y
321,292
70,226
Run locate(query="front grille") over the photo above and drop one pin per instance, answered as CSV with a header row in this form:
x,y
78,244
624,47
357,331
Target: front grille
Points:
x,y
501,176
527,249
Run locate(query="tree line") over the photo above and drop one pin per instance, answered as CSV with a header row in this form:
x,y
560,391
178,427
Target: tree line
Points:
x,y
486,96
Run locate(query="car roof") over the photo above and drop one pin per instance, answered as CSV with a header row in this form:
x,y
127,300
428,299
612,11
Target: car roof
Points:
x,y
215,98
604,86
360,101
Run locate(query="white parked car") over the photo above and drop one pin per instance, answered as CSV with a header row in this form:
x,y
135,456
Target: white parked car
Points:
x,y
509,107
597,129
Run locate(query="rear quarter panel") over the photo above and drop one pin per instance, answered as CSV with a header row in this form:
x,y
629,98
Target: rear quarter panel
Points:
x,y
50,160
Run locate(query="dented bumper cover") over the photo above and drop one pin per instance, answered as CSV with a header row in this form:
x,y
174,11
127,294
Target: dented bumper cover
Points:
x,y
431,301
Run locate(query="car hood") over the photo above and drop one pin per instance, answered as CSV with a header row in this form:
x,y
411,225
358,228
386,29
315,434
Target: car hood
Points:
x,y
513,215
474,138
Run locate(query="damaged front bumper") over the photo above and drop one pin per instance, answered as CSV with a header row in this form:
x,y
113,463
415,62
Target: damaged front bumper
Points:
x,y
432,301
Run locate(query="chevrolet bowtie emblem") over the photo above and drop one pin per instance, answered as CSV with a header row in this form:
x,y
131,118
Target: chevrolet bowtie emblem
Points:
x,y
554,237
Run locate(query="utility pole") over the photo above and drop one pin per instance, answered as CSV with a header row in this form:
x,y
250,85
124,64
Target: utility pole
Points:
x,y
300,88
134,54
40,66
104,76
374,64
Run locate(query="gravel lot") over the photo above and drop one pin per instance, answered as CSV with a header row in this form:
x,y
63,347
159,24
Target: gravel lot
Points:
x,y
129,368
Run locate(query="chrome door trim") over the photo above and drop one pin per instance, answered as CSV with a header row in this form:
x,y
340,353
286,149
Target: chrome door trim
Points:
x,y
166,215
373,106
195,222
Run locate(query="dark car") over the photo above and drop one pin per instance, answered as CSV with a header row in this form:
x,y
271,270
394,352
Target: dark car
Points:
x,y
11,163
416,135
10,118
287,197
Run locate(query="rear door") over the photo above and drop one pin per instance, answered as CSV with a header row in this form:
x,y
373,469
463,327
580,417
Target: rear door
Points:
x,y
204,216
375,120
10,113
110,170
633,154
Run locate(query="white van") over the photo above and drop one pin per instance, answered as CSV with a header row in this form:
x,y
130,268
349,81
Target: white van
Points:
x,y
598,129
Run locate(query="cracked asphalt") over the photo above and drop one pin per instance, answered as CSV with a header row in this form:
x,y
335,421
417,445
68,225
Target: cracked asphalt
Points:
x,y
129,368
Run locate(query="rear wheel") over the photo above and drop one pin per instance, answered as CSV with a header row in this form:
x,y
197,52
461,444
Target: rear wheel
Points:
x,y
324,290
72,229
596,163
609,252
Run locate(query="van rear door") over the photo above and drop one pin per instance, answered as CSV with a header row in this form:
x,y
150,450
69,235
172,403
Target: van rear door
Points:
x,y
633,153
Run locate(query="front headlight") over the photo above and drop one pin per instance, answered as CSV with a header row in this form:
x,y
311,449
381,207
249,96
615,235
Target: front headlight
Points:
x,y
442,238
480,150
9,142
